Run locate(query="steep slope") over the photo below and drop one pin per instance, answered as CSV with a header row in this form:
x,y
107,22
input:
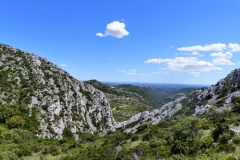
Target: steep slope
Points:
x,y
60,102
220,96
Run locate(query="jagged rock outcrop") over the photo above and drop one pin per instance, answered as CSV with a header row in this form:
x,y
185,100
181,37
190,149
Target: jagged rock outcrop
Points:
x,y
60,101
220,95
202,109
153,117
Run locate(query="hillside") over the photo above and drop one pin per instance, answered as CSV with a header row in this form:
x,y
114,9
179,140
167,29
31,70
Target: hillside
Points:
x,y
220,96
201,125
57,102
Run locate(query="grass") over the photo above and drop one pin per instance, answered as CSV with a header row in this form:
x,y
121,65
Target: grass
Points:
x,y
36,156
131,144
122,112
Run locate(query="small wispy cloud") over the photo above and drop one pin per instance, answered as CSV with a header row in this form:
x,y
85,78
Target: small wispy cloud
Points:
x,y
132,72
196,74
63,65
212,47
195,53
161,72
216,47
115,29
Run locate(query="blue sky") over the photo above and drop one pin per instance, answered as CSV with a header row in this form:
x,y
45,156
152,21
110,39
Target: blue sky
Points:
x,y
160,41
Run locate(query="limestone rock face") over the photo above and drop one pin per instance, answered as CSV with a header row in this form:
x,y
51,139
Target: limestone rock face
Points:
x,y
223,90
60,101
153,117
202,109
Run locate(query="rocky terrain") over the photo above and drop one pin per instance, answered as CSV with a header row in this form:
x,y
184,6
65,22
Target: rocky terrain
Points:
x,y
152,117
219,96
60,102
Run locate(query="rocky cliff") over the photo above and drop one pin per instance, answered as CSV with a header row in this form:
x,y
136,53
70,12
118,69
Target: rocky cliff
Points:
x,y
219,96
60,102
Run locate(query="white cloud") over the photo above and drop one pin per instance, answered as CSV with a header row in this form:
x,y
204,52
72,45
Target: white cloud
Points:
x,y
122,71
234,47
226,55
100,35
196,74
161,72
63,65
195,53
186,64
156,61
222,58
191,63
132,72
212,47
115,29
222,61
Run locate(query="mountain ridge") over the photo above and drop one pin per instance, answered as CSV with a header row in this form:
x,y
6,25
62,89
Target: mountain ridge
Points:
x,y
61,101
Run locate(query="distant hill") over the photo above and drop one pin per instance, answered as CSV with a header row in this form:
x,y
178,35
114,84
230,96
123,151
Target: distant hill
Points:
x,y
155,95
158,85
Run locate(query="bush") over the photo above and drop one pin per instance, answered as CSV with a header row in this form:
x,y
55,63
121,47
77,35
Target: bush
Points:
x,y
206,142
147,137
24,150
5,113
223,139
15,122
229,148
236,140
67,133
209,96
134,138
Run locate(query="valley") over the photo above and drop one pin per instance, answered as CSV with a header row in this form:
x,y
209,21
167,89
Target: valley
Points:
x,y
45,113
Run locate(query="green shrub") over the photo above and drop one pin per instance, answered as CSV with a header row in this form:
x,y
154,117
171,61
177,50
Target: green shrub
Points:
x,y
236,140
206,142
224,138
15,122
134,138
67,133
24,150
